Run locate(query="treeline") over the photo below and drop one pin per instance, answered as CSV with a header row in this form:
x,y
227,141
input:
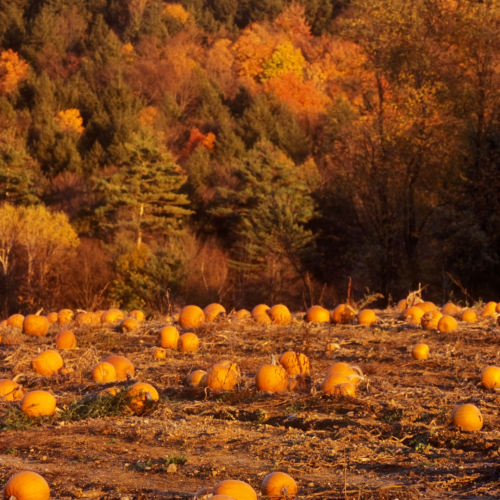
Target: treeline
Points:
x,y
244,152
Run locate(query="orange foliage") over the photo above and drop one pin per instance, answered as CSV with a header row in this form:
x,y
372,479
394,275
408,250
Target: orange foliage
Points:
x,y
70,120
177,12
197,138
300,96
293,21
12,71
148,115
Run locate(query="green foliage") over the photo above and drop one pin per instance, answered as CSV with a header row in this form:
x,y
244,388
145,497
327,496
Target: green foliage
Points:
x,y
176,459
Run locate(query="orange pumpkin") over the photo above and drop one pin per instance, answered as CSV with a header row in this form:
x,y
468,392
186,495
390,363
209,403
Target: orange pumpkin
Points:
x,y
469,316
112,316
129,325
343,314
344,389
86,318
353,373
189,342
47,363
450,309
223,375
426,306
402,305
420,351
191,317
140,393
294,364
331,380
262,319
366,317
123,366
467,417
430,320
233,488
36,325
138,315
16,320
242,313
194,379
447,324
169,337
413,315
27,486
38,404
159,353
490,377
280,315
489,310
52,317
11,391
271,378
317,314
278,485
104,373
65,340
65,316
261,308
214,311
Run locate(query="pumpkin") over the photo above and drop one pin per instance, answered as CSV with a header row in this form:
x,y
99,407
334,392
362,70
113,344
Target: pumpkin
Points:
x,y
16,320
278,485
331,380
447,324
366,317
261,308
413,315
280,315
86,318
344,389
159,353
191,317
420,351
109,391
27,486
426,306
242,313
223,375
52,317
402,305
38,404
271,378
194,378
467,417
233,488
129,325
169,337
430,320
317,314
343,314
490,377
214,311
138,315
47,363
469,316
11,391
189,342
36,325
294,364
450,309
140,393
104,373
123,366
489,309
352,372
65,316
65,340
262,319
112,316
204,493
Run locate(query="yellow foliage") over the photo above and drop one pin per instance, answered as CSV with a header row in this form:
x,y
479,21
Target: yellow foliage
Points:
x,y
285,59
12,71
177,12
70,120
148,115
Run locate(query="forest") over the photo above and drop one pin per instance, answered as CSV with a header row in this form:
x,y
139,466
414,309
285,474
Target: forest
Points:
x,y
238,151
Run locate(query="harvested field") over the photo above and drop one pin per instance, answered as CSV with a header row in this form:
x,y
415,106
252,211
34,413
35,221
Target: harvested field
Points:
x,y
392,441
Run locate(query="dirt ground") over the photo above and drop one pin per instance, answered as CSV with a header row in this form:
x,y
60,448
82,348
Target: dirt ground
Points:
x,y
392,441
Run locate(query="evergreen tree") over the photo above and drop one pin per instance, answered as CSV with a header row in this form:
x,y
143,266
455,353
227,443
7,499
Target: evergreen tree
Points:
x,y
143,198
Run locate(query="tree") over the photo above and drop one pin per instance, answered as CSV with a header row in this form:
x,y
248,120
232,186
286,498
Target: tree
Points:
x,y
12,71
143,197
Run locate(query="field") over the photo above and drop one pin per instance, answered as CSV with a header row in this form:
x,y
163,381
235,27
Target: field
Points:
x,y
392,441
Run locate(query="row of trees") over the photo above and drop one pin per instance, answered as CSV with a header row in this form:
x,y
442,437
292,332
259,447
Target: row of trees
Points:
x,y
241,153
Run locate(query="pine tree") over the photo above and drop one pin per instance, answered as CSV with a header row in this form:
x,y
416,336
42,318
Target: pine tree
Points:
x,y
143,198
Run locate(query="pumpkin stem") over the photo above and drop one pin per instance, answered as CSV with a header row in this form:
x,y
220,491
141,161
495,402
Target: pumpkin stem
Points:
x,y
18,376
357,369
12,497
38,312
130,376
273,360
